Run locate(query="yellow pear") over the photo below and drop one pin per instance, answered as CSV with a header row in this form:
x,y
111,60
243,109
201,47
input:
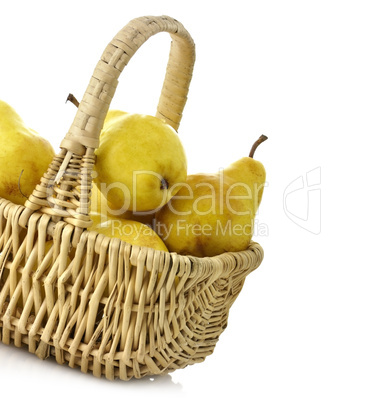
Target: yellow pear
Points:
x,y
140,162
251,172
132,232
99,204
145,217
214,213
111,118
24,156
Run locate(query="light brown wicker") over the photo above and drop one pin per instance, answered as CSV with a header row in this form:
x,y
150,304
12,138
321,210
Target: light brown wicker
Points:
x,y
94,302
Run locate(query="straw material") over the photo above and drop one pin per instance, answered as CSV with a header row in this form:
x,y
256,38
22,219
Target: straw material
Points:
x,y
98,303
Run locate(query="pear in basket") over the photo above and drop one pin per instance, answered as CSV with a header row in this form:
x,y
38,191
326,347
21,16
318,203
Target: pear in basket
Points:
x,y
140,162
214,213
24,156
100,205
128,230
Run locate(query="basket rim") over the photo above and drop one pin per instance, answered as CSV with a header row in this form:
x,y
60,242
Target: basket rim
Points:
x,y
253,245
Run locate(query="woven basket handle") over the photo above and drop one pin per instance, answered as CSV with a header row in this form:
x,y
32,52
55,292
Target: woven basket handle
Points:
x,y
89,119
65,189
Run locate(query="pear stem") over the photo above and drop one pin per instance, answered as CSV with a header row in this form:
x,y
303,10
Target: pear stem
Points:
x,y
71,98
259,141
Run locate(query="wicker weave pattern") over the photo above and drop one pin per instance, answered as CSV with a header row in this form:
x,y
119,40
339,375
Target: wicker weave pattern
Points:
x,y
109,307
95,302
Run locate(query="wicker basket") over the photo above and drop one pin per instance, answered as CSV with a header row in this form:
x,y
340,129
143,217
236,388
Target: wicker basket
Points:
x,y
97,303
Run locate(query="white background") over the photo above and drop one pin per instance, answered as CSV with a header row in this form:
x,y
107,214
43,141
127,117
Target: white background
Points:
x,y
293,70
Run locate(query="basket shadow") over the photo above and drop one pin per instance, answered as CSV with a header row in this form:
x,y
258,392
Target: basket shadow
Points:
x,y
13,357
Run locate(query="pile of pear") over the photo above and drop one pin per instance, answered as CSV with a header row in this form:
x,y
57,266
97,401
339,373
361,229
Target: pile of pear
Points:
x,y
141,176
214,213
141,191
